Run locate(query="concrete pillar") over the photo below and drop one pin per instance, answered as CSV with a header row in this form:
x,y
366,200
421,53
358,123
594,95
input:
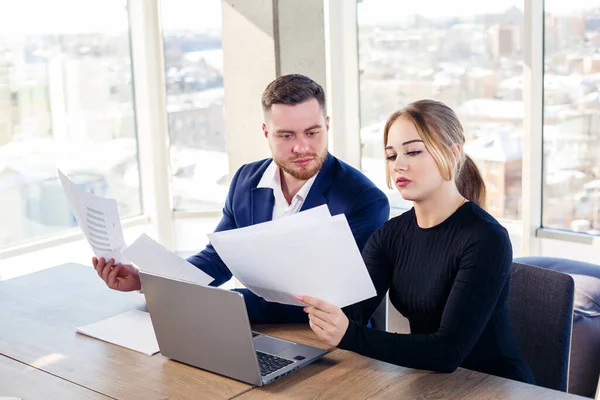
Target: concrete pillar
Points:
x,y
263,39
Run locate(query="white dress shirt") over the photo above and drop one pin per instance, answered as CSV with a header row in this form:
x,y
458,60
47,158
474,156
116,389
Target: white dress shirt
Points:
x,y
272,179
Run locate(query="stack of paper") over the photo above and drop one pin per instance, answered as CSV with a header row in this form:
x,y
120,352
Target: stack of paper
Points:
x,y
132,330
310,253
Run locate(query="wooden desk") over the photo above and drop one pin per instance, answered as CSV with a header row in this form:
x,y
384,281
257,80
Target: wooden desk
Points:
x,y
39,313
24,382
345,375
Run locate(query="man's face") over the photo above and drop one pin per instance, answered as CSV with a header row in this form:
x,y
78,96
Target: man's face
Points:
x,y
297,136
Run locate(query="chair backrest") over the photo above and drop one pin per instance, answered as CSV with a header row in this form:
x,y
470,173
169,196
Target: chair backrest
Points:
x,y
584,364
540,304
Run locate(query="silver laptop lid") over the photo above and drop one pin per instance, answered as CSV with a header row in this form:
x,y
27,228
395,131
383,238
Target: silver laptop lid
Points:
x,y
202,326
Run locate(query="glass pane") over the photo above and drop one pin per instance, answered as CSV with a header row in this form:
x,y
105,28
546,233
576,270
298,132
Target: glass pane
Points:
x,y
66,100
572,116
468,55
194,78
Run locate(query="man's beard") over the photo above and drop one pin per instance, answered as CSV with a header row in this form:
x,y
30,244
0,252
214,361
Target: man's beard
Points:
x,y
298,172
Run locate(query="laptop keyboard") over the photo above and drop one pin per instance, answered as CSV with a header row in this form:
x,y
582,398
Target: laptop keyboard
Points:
x,y
269,364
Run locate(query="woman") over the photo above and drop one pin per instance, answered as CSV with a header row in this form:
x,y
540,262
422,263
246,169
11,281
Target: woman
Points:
x,y
446,262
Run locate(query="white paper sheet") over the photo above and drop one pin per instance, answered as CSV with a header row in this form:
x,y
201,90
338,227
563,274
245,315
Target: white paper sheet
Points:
x,y
98,218
132,329
310,216
317,257
152,257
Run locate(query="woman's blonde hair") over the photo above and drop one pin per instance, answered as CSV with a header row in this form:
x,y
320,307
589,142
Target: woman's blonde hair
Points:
x,y
439,128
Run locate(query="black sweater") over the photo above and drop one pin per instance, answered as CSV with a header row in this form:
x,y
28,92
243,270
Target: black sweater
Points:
x,y
451,282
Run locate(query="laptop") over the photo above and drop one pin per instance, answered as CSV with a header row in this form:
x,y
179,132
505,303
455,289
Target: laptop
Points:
x,y
208,328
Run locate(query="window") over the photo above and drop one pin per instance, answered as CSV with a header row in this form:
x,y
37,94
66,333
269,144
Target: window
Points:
x,y
572,116
491,184
494,167
468,55
194,78
66,100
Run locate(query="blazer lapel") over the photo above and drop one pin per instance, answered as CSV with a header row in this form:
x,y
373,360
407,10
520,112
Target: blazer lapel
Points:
x,y
262,203
316,194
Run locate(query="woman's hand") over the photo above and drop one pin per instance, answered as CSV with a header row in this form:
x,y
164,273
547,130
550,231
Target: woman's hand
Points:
x,y
326,320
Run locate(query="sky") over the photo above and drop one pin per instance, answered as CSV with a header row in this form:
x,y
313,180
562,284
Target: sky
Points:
x,y
18,17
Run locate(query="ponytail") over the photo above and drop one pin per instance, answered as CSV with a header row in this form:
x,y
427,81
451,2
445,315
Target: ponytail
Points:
x,y
470,183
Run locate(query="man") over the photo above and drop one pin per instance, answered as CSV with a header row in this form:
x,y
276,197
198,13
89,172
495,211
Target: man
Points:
x,y
300,175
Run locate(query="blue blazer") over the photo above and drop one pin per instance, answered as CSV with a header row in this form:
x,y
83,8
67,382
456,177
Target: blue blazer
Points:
x,y
343,188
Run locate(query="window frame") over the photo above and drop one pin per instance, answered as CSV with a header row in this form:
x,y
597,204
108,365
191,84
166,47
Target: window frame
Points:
x,y
343,91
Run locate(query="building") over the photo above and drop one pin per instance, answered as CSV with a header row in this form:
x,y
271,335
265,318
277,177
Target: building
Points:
x,y
91,100
492,111
499,158
563,32
196,120
506,41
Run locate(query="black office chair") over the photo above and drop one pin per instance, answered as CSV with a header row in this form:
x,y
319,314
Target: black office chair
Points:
x,y
540,304
584,364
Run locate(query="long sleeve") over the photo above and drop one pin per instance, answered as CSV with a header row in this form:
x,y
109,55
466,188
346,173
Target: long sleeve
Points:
x,y
208,260
483,270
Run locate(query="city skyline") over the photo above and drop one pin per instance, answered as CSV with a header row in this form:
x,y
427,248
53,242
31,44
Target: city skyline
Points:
x,y
77,87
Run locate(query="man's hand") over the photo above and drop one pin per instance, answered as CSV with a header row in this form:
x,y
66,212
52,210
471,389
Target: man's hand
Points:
x,y
122,277
327,321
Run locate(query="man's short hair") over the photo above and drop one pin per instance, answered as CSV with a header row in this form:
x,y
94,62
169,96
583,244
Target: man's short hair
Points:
x,y
292,89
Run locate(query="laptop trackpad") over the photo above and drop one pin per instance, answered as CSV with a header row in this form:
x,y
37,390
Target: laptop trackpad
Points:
x,y
275,346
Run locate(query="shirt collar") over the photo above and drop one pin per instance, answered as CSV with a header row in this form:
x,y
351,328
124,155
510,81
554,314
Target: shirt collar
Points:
x,y
272,179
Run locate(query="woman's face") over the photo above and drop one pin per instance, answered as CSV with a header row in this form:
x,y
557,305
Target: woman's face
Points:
x,y
412,169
